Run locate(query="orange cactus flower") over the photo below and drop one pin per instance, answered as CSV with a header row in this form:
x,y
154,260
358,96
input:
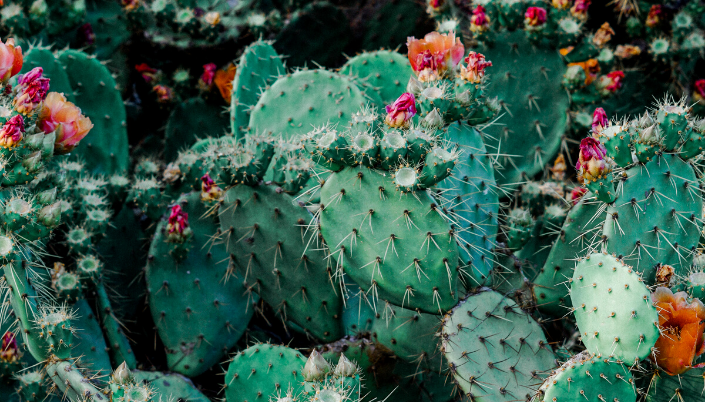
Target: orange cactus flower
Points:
x,y
10,59
682,329
591,68
435,54
65,119
224,81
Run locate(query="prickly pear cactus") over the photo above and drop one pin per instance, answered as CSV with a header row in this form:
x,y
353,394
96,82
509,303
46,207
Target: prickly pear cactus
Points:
x,y
386,71
263,369
495,351
609,296
259,67
199,310
590,377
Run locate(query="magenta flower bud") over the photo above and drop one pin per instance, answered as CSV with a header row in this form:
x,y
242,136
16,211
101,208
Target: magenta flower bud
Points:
x,y
208,74
599,120
401,111
592,164
177,227
535,16
475,69
209,190
32,89
12,131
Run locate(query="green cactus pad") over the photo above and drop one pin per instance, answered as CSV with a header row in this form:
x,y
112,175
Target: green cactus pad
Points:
x,y
410,334
608,297
278,257
199,314
527,81
386,71
652,220
397,243
258,68
686,387
170,387
495,351
89,342
190,120
471,196
105,148
47,60
588,377
581,231
263,370
297,102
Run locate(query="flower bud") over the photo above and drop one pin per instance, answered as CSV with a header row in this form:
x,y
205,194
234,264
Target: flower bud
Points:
x,y
580,8
592,164
603,35
654,17
699,90
209,190
599,120
475,69
32,89
208,75
535,17
401,111
316,367
12,131
177,227
433,119
478,21
345,367
122,374
164,93
610,83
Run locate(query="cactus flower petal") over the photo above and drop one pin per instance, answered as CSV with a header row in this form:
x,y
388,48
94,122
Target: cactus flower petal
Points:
x,y
401,111
65,119
10,59
435,54
682,329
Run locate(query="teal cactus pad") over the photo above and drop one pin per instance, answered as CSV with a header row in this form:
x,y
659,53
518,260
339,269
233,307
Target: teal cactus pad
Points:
x,y
495,351
665,194
47,60
89,342
592,378
190,120
410,334
258,68
397,243
170,386
527,81
581,230
686,387
386,71
199,314
280,258
105,148
263,370
473,202
297,102
613,308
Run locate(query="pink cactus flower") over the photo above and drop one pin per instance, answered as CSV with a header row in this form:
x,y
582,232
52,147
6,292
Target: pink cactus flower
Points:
x,y
209,190
611,82
654,17
560,4
65,119
32,89
435,54
10,59
479,21
148,73
599,120
580,9
535,16
208,74
699,92
177,227
401,111
592,164
10,351
475,69
12,131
